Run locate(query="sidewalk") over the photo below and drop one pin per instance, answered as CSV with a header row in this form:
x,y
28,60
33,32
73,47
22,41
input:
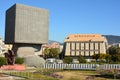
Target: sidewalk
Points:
x,y
9,77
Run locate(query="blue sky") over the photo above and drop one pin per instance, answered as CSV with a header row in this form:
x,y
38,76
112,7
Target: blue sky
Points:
x,y
73,16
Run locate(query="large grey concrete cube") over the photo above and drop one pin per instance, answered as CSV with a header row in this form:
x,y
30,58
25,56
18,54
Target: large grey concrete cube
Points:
x,y
26,24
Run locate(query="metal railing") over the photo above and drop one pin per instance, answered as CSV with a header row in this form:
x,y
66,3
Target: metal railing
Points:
x,y
71,66
18,74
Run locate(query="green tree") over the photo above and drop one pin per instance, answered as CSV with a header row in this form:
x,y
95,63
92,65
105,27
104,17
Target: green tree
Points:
x,y
118,57
118,51
114,53
112,50
51,53
19,60
46,52
3,61
81,59
108,58
68,60
115,58
95,56
54,52
102,56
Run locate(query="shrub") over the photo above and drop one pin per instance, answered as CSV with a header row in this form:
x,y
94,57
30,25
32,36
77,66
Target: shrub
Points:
x,y
19,60
3,61
81,59
68,60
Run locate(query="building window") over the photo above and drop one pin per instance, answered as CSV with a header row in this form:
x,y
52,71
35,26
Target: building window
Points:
x,y
77,46
82,46
73,46
86,46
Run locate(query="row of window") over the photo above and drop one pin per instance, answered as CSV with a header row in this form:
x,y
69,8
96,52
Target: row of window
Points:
x,y
83,53
85,46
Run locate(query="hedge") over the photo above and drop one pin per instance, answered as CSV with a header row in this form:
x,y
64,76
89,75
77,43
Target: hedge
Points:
x,y
19,60
3,61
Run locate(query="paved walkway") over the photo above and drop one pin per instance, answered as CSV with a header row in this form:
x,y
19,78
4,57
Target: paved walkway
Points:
x,y
8,77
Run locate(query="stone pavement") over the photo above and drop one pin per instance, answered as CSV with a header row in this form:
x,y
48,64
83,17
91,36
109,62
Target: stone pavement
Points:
x,y
9,77
6,78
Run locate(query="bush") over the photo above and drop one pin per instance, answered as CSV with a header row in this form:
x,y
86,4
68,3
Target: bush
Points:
x,y
81,59
19,60
3,61
68,60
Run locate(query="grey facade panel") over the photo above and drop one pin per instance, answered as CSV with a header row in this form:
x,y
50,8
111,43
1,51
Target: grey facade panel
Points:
x,y
31,25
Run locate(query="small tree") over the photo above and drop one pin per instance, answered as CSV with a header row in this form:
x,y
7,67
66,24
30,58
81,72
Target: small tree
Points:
x,y
81,59
68,60
108,58
55,52
115,58
102,56
95,56
19,60
114,53
46,53
51,53
112,50
3,61
118,51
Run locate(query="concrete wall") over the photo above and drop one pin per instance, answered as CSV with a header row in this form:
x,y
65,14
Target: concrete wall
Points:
x,y
10,25
26,24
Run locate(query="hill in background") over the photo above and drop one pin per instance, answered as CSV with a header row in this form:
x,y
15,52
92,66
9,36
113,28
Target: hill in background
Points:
x,y
51,41
112,39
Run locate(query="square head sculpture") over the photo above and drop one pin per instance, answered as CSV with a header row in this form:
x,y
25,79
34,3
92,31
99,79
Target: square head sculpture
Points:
x,y
26,24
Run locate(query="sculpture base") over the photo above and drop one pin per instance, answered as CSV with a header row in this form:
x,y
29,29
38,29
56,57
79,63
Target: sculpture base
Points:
x,y
24,50
17,67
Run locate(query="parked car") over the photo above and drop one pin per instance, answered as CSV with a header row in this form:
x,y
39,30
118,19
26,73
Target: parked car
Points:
x,y
51,61
75,61
59,61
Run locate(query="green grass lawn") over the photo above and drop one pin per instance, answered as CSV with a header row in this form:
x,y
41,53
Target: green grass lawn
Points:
x,y
31,76
66,75
82,75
